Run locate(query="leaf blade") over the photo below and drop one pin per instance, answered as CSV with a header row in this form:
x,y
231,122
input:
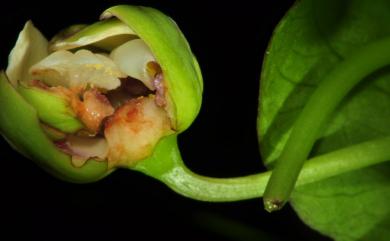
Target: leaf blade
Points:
x,y
310,41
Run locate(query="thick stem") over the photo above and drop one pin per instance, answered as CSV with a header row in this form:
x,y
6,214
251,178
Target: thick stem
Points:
x,y
194,186
333,88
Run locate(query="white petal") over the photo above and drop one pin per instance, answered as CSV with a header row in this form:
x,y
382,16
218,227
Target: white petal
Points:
x,y
30,48
83,67
132,58
88,147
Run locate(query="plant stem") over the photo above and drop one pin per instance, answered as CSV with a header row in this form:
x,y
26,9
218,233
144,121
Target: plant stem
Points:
x,y
198,187
332,89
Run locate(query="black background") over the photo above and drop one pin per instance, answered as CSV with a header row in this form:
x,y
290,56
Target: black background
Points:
x,y
229,40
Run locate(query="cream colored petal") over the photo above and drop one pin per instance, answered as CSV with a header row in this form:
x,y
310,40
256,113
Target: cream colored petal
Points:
x,y
30,48
64,68
88,147
132,58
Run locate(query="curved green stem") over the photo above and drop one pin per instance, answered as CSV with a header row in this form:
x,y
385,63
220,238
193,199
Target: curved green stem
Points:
x,y
333,88
183,181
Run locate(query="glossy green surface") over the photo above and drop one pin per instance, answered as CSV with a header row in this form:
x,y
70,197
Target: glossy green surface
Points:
x,y
312,41
167,166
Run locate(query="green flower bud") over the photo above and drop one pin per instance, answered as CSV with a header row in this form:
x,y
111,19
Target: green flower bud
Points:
x,y
99,97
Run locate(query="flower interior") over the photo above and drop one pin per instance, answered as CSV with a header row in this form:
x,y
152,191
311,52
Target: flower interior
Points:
x,y
94,102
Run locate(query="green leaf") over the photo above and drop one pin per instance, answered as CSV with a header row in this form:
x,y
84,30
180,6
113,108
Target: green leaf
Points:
x,y
309,42
354,206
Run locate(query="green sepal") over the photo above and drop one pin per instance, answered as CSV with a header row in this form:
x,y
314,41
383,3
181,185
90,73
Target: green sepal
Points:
x,y
105,35
164,158
51,108
20,127
182,74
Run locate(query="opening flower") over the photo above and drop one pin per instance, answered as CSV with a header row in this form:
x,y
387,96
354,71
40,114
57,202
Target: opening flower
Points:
x,y
101,95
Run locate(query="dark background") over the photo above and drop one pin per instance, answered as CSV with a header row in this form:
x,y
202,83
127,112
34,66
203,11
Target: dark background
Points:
x,y
229,40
